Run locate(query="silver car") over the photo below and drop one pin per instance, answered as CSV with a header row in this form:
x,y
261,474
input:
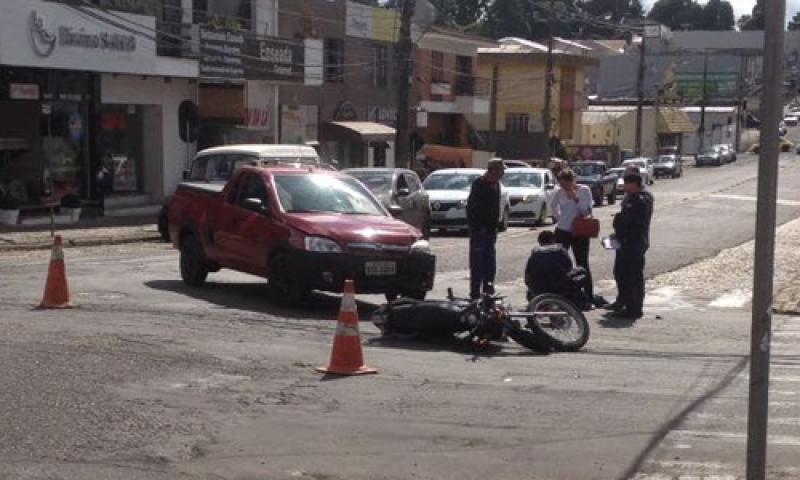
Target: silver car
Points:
x,y
400,191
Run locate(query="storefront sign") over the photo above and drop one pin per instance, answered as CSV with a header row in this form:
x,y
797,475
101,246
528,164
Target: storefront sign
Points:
x,y
221,54
444,89
373,23
65,36
273,59
384,115
23,91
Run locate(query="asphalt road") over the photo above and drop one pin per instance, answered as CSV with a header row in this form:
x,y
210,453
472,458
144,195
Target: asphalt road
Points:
x,y
148,379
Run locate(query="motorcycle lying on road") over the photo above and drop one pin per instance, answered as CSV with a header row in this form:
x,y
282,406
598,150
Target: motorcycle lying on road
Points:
x,y
551,322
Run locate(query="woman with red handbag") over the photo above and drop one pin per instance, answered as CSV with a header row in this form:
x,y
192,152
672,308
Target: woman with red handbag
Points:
x,y
572,208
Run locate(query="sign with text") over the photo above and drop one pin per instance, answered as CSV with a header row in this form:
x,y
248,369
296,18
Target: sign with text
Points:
x,y
267,58
221,54
717,85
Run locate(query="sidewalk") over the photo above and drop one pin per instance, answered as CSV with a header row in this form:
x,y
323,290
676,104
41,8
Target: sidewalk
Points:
x,y
92,232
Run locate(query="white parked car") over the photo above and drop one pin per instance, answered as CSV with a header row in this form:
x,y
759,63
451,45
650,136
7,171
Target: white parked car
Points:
x,y
530,192
449,189
790,121
645,166
619,172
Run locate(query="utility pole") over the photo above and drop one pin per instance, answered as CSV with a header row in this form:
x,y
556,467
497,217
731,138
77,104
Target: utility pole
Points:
x,y
404,49
739,103
640,92
547,118
764,268
703,99
493,107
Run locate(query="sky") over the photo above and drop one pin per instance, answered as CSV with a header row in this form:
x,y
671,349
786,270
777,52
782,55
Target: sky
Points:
x,y
740,7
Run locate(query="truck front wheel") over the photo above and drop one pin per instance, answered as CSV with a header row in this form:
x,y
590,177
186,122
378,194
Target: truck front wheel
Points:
x,y
194,270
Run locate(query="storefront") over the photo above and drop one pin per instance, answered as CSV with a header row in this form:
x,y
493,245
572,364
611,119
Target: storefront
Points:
x,y
44,140
88,107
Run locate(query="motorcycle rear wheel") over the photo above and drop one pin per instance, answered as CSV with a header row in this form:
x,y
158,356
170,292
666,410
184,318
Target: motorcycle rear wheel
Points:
x,y
566,332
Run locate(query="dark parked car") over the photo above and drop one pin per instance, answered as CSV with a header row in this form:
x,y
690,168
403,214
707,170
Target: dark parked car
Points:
x,y
668,166
597,177
710,156
401,193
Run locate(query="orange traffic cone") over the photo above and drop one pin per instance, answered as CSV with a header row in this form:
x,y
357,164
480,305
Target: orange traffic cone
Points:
x,y
56,291
347,357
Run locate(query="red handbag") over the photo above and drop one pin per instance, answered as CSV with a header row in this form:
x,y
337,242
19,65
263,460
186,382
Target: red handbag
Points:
x,y
586,227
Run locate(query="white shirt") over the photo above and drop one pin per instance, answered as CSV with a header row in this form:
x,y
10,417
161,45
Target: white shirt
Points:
x,y
566,210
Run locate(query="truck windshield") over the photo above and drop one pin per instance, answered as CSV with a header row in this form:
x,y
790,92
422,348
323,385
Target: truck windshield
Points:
x,y
325,194
377,182
589,169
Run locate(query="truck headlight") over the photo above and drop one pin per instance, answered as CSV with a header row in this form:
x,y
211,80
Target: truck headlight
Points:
x,y
421,246
321,245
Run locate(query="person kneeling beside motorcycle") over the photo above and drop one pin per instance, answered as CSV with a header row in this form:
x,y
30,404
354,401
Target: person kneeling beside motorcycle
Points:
x,y
550,270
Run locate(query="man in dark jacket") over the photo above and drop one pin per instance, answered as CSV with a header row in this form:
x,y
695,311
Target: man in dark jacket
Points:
x,y
632,231
550,270
483,218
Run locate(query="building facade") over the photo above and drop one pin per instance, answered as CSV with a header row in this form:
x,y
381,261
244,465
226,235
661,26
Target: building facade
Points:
x,y
91,106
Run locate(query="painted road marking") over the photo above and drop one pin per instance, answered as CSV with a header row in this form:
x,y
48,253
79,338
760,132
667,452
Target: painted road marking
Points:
x,y
747,198
683,435
718,417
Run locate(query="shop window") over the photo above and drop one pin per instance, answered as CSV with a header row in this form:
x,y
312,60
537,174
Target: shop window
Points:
x,y
465,83
334,60
380,76
517,122
121,147
437,67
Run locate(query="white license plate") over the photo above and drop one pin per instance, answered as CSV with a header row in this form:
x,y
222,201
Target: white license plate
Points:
x,y
380,269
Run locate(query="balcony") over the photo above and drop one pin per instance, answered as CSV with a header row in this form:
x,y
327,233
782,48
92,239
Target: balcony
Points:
x,y
467,95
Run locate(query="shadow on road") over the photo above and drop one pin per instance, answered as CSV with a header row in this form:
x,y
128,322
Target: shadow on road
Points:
x,y
255,297
451,343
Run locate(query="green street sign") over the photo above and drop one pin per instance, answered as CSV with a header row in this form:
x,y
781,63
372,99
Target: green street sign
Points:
x,y
718,85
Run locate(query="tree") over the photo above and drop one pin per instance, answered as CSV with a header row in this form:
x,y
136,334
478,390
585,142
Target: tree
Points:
x,y
611,12
794,23
677,14
529,19
718,15
459,12
754,21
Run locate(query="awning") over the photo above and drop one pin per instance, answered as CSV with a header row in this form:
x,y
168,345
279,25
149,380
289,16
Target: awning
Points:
x,y
370,132
673,121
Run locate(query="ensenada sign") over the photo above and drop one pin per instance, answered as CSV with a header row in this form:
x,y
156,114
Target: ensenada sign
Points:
x,y
54,35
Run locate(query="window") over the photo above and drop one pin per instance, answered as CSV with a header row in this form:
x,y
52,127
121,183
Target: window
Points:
x,y
465,82
414,184
437,67
517,122
252,186
401,182
334,60
379,77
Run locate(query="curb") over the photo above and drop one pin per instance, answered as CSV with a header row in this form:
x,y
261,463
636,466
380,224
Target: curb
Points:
x,y
75,243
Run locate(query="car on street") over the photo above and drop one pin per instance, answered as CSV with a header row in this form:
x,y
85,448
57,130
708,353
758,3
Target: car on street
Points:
x,y
302,229
595,176
784,146
516,164
790,121
645,166
449,189
530,191
401,193
216,166
727,151
668,166
709,156
618,172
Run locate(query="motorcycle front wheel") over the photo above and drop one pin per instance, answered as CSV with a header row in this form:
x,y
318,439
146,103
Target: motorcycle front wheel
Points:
x,y
559,321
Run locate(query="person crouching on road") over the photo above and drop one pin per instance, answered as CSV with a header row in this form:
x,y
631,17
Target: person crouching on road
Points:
x,y
632,231
483,218
570,202
549,270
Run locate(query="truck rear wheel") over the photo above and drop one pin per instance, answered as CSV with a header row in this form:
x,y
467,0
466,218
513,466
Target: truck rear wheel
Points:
x,y
285,290
194,270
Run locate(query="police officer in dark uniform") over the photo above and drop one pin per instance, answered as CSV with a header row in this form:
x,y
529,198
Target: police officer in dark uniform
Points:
x,y
483,218
632,231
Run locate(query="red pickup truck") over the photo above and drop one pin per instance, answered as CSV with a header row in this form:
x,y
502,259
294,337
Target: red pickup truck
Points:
x,y
301,228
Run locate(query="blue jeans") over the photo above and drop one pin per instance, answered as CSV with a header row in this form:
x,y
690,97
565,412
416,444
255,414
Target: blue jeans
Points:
x,y
482,261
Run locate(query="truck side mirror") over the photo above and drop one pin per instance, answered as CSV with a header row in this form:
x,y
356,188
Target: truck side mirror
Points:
x,y
254,205
403,192
550,186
